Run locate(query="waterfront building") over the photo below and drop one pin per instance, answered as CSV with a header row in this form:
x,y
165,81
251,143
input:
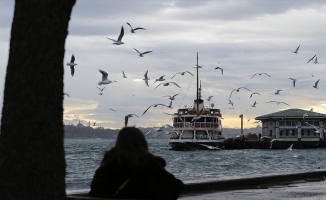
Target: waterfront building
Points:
x,y
294,125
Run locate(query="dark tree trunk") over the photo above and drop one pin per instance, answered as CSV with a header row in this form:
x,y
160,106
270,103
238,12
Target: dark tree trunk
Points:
x,y
32,162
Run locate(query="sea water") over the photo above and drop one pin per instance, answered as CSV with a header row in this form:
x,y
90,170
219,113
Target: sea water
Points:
x,y
83,157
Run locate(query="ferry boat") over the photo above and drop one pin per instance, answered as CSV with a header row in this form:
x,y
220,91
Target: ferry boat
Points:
x,y
197,128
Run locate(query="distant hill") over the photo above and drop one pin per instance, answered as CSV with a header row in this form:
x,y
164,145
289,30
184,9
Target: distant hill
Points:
x,y
81,131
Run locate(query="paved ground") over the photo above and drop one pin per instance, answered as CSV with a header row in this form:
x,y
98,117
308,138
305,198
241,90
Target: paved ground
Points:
x,y
296,190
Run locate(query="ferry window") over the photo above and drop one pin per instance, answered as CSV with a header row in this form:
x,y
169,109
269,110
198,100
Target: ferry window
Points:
x,y
282,123
209,119
202,119
308,132
281,132
287,132
188,119
316,123
288,123
293,132
302,133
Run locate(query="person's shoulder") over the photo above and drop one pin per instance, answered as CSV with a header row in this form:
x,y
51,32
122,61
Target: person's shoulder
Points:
x,y
157,160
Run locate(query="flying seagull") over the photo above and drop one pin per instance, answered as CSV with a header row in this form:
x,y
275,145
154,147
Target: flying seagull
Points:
x,y
278,102
94,123
72,64
238,89
112,110
260,74
134,29
230,102
166,84
209,98
160,79
198,115
154,105
277,92
100,88
128,116
297,49
142,54
182,73
175,115
254,105
118,42
146,78
311,58
159,129
220,69
316,84
123,74
104,78
316,62
66,94
293,80
171,97
290,148
254,93
315,127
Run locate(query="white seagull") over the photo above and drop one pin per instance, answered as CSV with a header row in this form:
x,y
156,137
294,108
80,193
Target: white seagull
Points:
x,y
198,115
66,94
220,69
72,64
146,78
142,54
166,84
100,88
254,105
315,127
118,42
230,102
154,105
133,29
311,58
128,116
293,80
297,49
238,89
305,115
260,74
105,79
278,102
123,74
175,115
160,79
290,148
316,84
159,129
254,93
171,97
182,73
316,62
277,92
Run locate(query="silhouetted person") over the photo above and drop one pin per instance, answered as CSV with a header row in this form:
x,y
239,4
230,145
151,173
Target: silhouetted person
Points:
x,y
129,171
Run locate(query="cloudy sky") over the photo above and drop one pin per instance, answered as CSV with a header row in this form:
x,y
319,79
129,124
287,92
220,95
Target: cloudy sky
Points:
x,y
242,37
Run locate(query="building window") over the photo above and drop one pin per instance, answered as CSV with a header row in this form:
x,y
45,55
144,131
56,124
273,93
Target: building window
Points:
x,y
270,132
302,133
282,123
281,132
293,132
287,132
288,123
308,132
316,123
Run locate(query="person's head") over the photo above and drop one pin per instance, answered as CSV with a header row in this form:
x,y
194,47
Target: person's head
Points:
x,y
131,139
131,148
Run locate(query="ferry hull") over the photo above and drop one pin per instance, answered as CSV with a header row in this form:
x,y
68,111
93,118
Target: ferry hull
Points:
x,y
194,146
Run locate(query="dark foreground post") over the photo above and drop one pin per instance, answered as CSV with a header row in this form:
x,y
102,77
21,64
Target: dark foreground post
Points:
x,y
32,163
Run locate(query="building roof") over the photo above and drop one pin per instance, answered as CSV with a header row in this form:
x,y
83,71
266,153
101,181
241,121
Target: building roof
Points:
x,y
292,113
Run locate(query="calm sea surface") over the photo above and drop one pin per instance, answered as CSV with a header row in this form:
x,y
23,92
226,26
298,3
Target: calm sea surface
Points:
x,y
83,157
